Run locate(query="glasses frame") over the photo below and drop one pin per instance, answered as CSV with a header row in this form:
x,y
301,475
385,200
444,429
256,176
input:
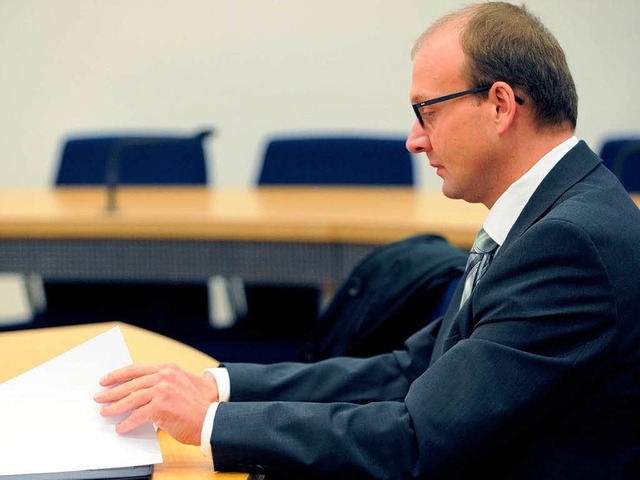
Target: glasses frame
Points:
x,y
451,96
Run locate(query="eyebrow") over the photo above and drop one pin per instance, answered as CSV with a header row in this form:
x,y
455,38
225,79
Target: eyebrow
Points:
x,y
421,98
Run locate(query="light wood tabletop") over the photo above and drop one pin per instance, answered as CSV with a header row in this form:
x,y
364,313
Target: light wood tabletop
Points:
x,y
293,235
305,235
356,215
319,214
24,349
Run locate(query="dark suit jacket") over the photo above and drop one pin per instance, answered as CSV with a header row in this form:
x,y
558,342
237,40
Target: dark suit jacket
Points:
x,y
536,377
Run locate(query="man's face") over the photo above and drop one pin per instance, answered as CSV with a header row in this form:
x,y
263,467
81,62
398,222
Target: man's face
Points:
x,y
456,134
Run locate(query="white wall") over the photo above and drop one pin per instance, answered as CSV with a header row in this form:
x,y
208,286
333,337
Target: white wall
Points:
x,y
254,67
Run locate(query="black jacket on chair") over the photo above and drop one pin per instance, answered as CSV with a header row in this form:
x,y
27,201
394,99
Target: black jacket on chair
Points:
x,y
389,295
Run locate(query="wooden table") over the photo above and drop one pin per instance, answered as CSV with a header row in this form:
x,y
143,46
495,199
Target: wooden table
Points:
x,y
326,215
284,234
23,350
292,235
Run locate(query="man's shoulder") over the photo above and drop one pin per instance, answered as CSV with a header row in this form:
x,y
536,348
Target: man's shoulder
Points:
x,y
597,203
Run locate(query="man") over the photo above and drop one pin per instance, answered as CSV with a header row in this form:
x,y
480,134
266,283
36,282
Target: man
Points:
x,y
533,374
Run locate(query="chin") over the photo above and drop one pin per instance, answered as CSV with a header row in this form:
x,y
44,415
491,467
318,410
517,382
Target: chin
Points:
x,y
451,192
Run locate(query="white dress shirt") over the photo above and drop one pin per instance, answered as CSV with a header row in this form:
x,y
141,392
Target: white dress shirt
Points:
x,y
510,204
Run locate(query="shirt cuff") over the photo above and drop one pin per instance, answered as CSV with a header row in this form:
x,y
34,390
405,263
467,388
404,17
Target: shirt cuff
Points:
x,y
207,430
221,376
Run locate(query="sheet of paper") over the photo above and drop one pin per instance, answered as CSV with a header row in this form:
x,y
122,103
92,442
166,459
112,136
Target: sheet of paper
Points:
x,y
49,421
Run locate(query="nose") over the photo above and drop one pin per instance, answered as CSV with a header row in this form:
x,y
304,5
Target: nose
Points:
x,y
418,141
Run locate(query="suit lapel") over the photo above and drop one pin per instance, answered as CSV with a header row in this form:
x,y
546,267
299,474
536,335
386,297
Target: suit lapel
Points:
x,y
451,323
572,168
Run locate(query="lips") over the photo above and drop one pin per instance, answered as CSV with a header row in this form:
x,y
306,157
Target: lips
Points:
x,y
438,167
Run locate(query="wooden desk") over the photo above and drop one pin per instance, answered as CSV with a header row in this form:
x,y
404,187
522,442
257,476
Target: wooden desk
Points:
x,y
306,235
23,350
280,214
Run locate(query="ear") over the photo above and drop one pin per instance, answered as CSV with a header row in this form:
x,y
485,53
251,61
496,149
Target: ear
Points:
x,y
503,99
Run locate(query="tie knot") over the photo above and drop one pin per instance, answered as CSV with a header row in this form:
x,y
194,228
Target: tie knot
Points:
x,y
483,243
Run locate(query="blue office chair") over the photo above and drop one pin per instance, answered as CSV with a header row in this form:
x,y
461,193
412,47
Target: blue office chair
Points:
x,y
336,160
129,159
622,156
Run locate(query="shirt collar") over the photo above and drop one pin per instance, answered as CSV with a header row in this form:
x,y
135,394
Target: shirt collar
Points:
x,y
508,207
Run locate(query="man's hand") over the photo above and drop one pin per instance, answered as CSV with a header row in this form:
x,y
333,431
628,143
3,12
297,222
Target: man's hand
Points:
x,y
174,399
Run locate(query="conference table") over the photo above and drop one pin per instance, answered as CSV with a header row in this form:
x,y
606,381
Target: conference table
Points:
x,y
24,349
306,235
300,235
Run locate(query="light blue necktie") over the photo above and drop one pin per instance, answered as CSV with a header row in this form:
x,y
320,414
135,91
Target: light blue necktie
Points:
x,y
481,254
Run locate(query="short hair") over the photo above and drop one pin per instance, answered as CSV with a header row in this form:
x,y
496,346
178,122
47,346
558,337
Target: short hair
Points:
x,y
505,42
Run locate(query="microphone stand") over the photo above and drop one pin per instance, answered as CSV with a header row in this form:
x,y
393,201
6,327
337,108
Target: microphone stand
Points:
x,y
114,159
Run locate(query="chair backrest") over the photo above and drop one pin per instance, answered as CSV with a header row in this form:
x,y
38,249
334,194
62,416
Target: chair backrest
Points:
x,y
133,159
622,156
337,160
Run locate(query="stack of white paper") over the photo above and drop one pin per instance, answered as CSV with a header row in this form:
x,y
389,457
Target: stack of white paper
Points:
x,y
49,421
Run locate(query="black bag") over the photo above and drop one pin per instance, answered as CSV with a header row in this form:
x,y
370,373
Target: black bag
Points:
x,y
389,295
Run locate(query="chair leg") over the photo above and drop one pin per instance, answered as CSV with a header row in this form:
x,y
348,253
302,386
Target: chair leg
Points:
x,y
227,301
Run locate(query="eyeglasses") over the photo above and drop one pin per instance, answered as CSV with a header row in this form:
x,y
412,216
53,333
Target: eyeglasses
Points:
x,y
419,105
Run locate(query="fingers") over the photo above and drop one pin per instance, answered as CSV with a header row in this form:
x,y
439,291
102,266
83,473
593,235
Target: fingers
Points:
x,y
130,372
137,418
178,411
174,399
123,390
127,403
183,420
134,377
